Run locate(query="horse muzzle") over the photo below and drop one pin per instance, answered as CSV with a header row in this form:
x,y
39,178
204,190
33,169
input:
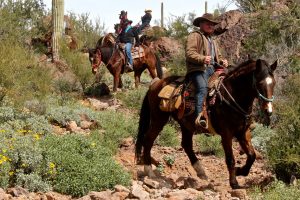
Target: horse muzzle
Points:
x,y
94,70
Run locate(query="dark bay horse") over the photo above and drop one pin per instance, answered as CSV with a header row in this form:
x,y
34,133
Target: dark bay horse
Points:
x,y
229,116
115,60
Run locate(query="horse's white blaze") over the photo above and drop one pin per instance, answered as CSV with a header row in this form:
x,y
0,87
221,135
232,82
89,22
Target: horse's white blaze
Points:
x,y
270,107
269,80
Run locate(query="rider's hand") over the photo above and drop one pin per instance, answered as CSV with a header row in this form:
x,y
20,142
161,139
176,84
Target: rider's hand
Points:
x,y
207,60
224,62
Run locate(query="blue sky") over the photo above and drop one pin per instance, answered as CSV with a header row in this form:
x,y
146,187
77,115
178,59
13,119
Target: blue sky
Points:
x,y
108,10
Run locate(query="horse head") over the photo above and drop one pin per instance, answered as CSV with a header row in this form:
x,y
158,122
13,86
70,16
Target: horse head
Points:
x,y
264,84
95,59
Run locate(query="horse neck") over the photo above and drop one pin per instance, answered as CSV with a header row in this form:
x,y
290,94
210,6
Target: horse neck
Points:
x,y
106,53
241,89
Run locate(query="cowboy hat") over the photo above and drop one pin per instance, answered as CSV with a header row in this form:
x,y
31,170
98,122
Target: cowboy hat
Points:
x,y
148,10
205,17
122,12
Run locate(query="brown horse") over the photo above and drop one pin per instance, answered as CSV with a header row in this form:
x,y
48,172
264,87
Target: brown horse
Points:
x,y
229,116
115,61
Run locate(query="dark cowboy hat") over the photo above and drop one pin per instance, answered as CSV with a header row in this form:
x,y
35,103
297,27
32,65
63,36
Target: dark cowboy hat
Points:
x,y
122,12
126,21
205,17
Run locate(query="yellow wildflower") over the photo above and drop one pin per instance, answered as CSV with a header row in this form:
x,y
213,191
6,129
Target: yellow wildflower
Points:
x,y
11,173
93,144
51,165
2,131
36,136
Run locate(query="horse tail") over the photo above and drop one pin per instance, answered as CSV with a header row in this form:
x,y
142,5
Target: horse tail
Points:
x,y
144,124
158,67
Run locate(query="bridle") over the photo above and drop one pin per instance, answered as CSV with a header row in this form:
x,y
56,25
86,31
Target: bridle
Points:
x,y
95,65
235,106
260,96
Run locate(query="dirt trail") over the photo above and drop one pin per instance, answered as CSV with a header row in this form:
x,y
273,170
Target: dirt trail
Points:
x,y
181,174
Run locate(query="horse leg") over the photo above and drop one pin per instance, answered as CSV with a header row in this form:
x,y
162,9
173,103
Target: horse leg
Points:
x,y
157,124
187,145
152,70
245,142
137,76
230,162
120,82
117,76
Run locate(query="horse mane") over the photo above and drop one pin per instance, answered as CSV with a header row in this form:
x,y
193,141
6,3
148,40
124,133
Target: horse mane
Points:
x,y
243,68
108,40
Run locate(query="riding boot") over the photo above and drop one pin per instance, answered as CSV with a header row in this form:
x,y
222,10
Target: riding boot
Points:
x,y
201,121
128,67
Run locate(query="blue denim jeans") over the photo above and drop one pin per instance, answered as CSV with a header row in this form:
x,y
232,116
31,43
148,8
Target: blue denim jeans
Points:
x,y
128,52
200,81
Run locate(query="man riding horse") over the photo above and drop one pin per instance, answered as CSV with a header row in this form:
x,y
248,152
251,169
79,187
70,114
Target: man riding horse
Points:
x,y
129,35
202,55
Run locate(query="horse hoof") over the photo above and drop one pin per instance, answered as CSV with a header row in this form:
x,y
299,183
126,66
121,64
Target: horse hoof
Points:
x,y
149,172
200,171
202,176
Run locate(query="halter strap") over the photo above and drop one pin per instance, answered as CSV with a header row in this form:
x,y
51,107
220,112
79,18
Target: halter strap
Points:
x,y
259,94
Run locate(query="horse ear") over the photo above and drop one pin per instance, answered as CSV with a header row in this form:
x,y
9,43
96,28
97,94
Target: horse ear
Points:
x,y
258,65
274,65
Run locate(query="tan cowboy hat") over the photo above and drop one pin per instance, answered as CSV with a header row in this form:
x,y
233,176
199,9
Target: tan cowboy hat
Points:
x,y
148,10
205,17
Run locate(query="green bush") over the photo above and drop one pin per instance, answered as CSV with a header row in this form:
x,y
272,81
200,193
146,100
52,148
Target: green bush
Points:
x,y
276,191
209,145
117,126
80,66
72,164
284,146
80,164
133,98
177,65
168,137
20,75
261,135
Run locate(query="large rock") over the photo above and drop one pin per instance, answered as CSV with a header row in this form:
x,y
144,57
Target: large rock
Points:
x,y
168,48
233,30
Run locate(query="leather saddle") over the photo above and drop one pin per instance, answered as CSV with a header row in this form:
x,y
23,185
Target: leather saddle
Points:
x,y
180,96
136,52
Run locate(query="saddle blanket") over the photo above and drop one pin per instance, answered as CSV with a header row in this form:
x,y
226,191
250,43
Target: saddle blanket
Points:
x,y
137,52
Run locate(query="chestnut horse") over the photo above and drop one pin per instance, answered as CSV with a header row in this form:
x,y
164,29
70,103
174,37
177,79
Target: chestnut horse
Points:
x,y
114,59
230,116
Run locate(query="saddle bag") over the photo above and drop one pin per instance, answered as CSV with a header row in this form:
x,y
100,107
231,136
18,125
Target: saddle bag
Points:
x,y
171,98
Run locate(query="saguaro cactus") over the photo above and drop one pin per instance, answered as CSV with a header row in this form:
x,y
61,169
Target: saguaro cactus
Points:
x,y
58,24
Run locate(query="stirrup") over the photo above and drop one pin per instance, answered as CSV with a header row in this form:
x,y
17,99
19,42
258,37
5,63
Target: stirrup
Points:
x,y
201,122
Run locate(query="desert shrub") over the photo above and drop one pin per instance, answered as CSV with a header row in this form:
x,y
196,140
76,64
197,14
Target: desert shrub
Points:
x,y
274,35
19,20
283,147
87,32
71,164
81,164
22,78
133,98
209,145
177,65
117,126
276,191
79,64
168,137
261,135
